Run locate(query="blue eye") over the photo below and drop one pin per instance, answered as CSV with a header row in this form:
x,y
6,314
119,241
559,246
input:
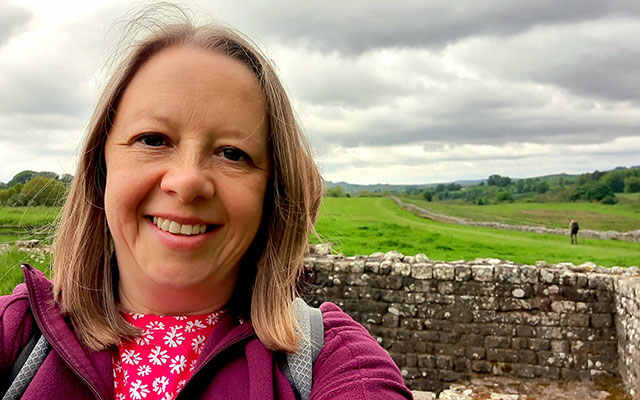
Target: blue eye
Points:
x,y
233,154
152,140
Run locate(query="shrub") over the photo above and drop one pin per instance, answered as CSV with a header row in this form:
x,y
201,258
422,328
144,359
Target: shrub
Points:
x,y
42,191
632,184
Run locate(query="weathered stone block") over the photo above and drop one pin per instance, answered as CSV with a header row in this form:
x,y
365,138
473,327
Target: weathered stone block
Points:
x,y
385,267
563,306
546,372
601,281
444,362
523,370
449,349
497,341
539,344
462,273
525,331
426,361
520,343
412,323
357,266
373,306
392,296
475,353
443,272
574,319
472,340
460,364
560,346
390,320
481,366
372,266
446,287
404,310
550,332
601,320
529,274
507,273
417,285
372,318
527,356
503,355
482,273
393,282
402,347
422,271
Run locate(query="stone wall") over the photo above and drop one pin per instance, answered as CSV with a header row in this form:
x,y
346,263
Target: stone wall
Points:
x,y
628,332
444,322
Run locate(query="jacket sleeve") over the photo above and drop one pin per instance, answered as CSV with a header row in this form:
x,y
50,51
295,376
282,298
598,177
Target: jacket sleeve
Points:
x,y
352,365
15,327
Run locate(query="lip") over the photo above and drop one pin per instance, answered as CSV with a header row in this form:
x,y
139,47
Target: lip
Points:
x,y
182,242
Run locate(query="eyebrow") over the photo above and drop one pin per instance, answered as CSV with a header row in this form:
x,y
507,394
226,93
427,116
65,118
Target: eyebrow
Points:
x,y
240,135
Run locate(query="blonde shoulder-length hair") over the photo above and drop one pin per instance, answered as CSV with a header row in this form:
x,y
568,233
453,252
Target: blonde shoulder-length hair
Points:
x,y
85,270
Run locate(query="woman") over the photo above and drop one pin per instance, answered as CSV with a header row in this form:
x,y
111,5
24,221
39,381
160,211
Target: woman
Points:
x,y
181,241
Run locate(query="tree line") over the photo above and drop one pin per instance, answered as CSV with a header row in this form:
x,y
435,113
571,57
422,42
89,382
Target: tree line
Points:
x,y
597,186
35,188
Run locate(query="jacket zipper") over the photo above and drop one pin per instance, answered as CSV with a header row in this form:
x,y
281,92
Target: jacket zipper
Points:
x,y
214,354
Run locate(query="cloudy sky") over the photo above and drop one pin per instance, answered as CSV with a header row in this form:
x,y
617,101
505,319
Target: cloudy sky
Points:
x,y
387,91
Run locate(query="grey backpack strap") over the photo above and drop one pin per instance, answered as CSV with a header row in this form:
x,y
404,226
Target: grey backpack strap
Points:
x,y
299,368
28,370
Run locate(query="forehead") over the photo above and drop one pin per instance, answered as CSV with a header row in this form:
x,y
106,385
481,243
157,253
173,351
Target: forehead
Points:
x,y
201,83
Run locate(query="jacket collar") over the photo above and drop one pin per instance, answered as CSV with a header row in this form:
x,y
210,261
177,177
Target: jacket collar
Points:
x,y
96,368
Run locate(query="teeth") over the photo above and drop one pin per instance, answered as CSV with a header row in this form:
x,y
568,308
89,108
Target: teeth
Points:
x,y
175,228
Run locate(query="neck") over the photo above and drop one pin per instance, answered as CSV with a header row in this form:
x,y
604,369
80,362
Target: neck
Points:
x,y
149,298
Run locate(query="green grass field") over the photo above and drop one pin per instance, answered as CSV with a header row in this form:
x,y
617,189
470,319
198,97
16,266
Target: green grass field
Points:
x,y
365,225
600,217
20,223
10,273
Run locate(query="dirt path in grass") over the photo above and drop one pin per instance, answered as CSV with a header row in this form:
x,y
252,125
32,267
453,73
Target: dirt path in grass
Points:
x,y
630,236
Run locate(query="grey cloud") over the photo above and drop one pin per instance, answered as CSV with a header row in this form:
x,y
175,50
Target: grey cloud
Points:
x,y
356,26
12,19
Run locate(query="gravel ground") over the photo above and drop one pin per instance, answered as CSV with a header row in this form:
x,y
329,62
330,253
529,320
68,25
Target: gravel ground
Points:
x,y
501,388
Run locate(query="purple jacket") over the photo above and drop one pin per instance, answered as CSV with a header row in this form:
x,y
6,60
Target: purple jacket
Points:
x,y
234,364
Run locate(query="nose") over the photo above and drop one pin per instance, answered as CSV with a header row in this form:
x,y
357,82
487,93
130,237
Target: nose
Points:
x,y
188,181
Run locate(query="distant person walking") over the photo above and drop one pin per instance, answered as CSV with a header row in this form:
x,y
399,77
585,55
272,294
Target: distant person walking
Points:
x,y
574,228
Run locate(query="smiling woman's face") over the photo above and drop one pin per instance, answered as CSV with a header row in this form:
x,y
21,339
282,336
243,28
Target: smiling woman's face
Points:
x,y
188,163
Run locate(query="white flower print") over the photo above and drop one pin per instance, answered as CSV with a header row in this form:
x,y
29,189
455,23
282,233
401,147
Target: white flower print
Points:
x,y
193,325
155,325
120,396
167,396
180,317
198,343
158,356
181,385
147,336
118,367
144,370
178,364
192,365
173,338
137,390
136,316
131,357
160,384
213,318
125,377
